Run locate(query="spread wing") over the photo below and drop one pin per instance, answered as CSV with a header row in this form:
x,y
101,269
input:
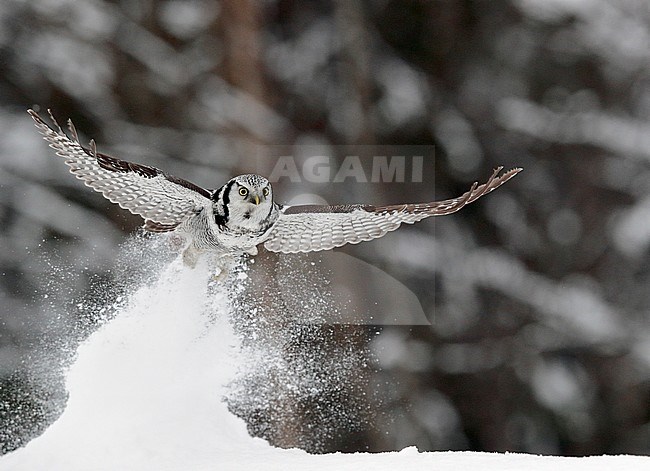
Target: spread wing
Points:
x,y
311,227
162,200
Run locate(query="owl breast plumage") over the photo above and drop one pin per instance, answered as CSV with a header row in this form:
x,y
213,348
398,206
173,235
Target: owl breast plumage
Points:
x,y
242,214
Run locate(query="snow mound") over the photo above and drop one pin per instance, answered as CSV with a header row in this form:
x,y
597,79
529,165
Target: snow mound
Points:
x,y
146,393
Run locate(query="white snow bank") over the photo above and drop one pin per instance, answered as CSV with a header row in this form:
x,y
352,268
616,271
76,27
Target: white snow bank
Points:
x,y
145,393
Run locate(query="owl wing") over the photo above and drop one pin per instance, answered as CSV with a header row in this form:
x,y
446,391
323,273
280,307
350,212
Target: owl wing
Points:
x,y
312,227
162,200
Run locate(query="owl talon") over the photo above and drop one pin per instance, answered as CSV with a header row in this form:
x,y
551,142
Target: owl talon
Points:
x,y
219,277
190,256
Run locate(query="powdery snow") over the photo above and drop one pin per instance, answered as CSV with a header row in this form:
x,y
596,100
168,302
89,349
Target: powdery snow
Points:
x,y
146,389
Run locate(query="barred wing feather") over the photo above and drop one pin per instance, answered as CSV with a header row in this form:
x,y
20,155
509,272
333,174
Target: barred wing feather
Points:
x,y
313,227
162,200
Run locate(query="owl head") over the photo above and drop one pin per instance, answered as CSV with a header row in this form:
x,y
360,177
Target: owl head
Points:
x,y
246,200
252,189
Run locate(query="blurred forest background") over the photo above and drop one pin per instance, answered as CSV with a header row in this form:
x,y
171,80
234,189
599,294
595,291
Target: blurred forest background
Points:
x,y
538,294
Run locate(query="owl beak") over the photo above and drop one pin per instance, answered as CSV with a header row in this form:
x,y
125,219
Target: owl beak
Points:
x,y
256,199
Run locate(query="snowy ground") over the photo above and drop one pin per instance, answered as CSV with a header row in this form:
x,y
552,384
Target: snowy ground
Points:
x,y
145,393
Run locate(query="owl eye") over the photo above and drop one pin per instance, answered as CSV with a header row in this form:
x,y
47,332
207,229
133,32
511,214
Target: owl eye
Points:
x,y
243,191
266,191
